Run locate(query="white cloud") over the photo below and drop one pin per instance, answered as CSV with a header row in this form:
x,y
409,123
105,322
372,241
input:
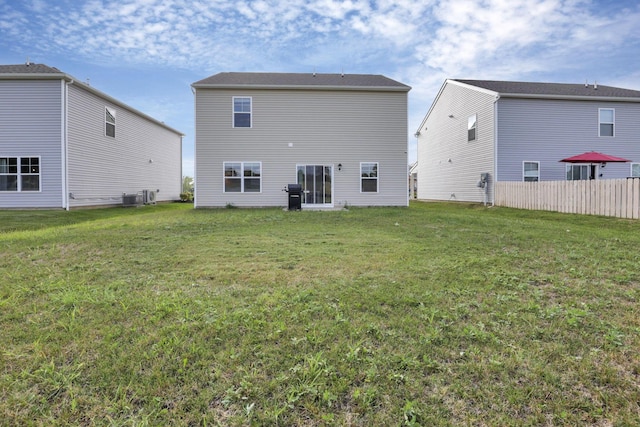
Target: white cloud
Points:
x,y
451,38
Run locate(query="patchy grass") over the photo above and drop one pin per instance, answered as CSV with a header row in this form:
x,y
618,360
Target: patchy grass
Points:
x,y
440,314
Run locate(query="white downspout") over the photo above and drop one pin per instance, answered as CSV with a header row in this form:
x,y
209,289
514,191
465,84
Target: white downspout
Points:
x,y
195,138
63,139
495,149
65,145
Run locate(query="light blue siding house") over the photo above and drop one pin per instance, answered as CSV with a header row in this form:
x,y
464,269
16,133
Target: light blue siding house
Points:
x,y
343,138
64,144
519,131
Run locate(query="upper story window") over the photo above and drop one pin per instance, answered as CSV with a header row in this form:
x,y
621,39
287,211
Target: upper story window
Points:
x,y
242,177
607,120
19,174
241,112
635,169
531,171
369,177
472,128
110,122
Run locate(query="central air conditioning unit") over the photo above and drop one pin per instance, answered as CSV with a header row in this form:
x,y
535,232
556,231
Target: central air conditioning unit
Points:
x,y
149,197
131,199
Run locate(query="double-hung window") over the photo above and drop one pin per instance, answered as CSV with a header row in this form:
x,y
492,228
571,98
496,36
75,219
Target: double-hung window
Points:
x,y
19,174
531,171
110,122
607,121
635,169
472,128
242,177
241,112
369,177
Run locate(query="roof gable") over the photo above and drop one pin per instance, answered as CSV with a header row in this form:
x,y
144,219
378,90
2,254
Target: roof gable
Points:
x,y
552,90
301,81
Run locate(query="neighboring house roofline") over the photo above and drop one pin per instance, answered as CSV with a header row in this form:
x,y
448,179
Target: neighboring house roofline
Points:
x,y
559,91
301,81
535,90
123,105
43,72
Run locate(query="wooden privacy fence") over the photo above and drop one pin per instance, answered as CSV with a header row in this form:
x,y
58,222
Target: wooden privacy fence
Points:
x,y
610,197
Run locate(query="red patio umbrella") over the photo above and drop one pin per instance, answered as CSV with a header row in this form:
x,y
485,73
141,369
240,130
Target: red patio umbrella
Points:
x,y
593,157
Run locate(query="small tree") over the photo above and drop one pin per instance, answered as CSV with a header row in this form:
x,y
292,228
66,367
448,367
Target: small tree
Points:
x,y
187,184
187,189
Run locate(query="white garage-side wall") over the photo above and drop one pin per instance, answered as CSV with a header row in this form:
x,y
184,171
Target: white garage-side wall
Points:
x,y
142,155
31,126
449,165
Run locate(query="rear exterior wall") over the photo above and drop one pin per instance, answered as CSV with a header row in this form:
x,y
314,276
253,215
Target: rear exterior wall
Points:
x,y
31,125
297,127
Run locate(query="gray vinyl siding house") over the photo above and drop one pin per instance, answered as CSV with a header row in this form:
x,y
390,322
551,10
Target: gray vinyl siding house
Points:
x,y
64,144
342,137
522,131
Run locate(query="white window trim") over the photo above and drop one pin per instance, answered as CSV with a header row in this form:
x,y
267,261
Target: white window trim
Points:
x,y
377,177
613,110
523,170
19,174
233,112
111,111
241,178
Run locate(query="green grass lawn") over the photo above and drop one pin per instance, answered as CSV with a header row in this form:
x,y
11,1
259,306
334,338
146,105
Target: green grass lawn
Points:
x,y
439,314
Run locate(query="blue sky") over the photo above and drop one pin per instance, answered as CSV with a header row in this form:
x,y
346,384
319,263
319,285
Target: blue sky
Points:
x,y
147,53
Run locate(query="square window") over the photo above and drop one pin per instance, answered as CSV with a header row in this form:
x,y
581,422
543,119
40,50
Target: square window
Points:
x,y
26,177
242,177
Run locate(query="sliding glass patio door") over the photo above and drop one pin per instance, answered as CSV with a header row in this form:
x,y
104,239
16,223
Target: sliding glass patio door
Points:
x,y
317,184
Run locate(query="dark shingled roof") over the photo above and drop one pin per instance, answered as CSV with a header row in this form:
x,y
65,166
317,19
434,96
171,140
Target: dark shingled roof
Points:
x,y
28,69
301,80
552,89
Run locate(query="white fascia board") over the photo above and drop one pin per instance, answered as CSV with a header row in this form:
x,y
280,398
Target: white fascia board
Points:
x,y
305,87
